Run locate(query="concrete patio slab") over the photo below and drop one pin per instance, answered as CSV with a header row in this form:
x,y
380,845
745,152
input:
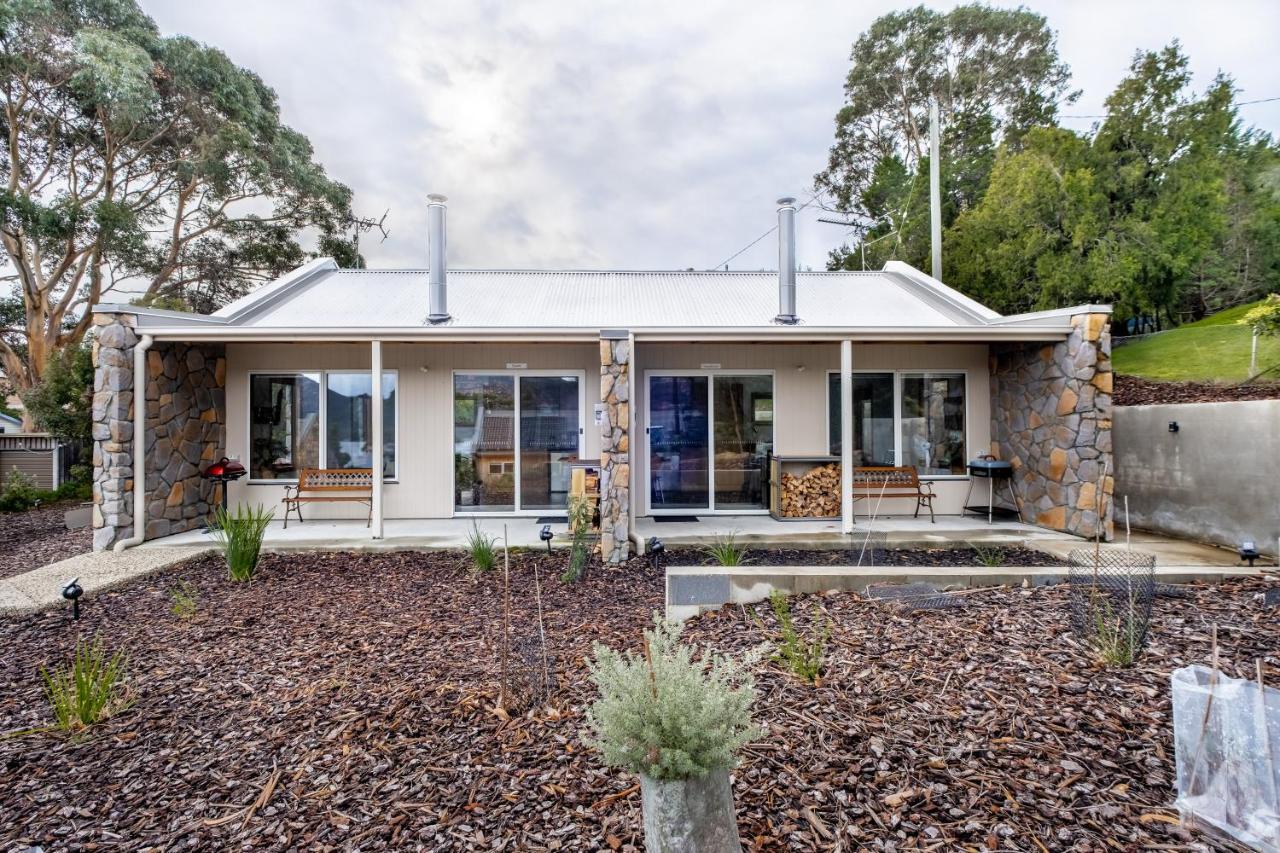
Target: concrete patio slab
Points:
x,y
398,534
41,588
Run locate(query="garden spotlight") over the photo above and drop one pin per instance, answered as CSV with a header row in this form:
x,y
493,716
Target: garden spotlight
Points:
x,y
1249,551
545,535
72,592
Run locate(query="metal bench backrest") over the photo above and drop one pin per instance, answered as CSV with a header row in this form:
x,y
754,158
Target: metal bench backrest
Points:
x,y
874,479
335,480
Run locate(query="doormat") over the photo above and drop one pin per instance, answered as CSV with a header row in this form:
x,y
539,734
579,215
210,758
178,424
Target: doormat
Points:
x,y
674,519
551,519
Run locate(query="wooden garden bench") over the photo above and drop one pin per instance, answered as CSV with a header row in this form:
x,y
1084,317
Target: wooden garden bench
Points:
x,y
329,485
893,482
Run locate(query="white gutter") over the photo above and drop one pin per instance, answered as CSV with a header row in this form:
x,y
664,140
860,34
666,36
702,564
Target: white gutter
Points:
x,y
553,334
139,446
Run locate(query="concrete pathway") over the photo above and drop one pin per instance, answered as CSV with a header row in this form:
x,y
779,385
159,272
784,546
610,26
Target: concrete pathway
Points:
x,y
41,588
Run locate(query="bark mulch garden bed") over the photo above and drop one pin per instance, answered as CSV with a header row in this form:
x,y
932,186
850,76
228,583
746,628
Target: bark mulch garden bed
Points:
x,y
348,702
38,537
992,557
1136,391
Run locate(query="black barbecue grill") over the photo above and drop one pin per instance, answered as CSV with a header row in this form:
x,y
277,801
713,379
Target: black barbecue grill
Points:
x,y
991,469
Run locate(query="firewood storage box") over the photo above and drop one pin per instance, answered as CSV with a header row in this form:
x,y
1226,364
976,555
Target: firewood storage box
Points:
x,y
804,488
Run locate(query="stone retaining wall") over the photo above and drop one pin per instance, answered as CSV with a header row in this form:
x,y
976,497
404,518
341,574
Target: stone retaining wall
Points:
x,y
1051,417
186,428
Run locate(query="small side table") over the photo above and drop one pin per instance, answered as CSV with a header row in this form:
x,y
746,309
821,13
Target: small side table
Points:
x,y
992,470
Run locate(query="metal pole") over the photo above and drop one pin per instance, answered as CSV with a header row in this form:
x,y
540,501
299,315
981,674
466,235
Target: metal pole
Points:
x,y
846,437
935,191
375,427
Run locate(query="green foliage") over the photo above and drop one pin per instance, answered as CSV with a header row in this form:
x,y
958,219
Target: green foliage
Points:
x,y
117,133
665,715
726,550
802,657
20,492
61,402
990,557
1265,318
185,599
239,534
581,512
482,548
1215,349
1115,637
995,72
88,690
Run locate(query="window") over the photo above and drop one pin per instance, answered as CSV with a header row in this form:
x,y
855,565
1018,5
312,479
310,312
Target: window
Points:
x,y
930,415
289,414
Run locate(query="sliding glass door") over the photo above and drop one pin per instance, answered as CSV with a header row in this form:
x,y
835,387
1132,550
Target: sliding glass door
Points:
x,y
709,437
514,436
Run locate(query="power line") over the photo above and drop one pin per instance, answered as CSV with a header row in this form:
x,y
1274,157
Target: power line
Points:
x,y
1236,104
726,261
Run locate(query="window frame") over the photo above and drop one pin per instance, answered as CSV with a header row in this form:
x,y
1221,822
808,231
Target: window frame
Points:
x,y
324,416
898,375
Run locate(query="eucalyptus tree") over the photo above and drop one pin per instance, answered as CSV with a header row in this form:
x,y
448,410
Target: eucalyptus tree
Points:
x,y
135,157
994,72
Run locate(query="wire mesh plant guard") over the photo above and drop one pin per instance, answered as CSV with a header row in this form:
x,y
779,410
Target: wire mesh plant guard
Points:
x,y
1111,593
1226,734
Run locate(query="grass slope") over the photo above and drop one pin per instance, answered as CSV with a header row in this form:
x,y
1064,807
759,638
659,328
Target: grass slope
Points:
x,y
1214,349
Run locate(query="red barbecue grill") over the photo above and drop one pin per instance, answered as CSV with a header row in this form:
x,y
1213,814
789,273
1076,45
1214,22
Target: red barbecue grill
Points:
x,y
224,471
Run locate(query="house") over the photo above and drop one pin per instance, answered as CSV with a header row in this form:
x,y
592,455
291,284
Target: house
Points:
x,y
470,392
9,424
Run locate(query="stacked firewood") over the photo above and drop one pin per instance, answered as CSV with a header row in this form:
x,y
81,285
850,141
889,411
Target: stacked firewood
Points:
x,y
813,494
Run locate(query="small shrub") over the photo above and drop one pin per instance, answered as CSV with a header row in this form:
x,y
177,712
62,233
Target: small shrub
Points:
x,y
20,493
185,598
1116,639
581,513
990,557
665,715
239,535
726,551
89,690
804,658
482,548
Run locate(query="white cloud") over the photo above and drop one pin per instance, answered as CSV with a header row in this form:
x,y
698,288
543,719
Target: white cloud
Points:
x,y
604,134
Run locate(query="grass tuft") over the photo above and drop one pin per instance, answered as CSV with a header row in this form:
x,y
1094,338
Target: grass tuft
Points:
x,y
239,535
88,690
727,551
482,549
803,657
185,599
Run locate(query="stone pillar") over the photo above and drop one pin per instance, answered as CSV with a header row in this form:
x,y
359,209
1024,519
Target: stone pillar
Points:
x,y
113,344
615,446
1051,418
186,430
186,405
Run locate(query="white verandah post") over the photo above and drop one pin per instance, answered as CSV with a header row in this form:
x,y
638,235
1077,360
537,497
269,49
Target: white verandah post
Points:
x,y
375,439
846,437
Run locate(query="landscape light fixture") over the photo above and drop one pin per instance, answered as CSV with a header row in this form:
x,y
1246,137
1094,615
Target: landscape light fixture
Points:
x,y
545,535
656,549
1173,426
72,591
1249,551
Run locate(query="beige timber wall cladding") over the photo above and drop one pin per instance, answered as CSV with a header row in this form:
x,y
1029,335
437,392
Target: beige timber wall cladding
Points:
x,y
1051,417
185,429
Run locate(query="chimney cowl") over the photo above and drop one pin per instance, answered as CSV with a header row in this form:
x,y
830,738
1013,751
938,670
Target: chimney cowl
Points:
x,y
787,262
438,269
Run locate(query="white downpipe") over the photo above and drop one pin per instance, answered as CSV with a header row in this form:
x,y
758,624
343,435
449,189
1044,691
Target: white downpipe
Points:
x,y
139,446
846,437
376,427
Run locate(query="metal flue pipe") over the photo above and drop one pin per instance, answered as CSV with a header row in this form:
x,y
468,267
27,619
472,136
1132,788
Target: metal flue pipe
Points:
x,y
436,276
787,262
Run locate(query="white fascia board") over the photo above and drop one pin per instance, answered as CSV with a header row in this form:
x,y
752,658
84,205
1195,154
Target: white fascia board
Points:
x,y
950,293
1047,317
777,334
272,290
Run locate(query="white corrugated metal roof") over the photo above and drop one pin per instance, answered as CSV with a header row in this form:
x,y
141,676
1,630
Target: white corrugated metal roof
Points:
x,y
494,299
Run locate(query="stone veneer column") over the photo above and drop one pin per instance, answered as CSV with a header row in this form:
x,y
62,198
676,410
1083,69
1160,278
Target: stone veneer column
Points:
x,y
113,345
1051,417
186,429
615,448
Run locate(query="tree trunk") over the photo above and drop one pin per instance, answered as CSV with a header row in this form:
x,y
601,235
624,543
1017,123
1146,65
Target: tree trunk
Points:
x,y
690,815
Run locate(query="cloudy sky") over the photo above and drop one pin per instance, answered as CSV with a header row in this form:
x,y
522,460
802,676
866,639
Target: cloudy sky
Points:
x,y
590,133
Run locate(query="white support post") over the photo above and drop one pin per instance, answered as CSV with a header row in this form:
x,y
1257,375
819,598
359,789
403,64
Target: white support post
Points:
x,y
846,437
375,419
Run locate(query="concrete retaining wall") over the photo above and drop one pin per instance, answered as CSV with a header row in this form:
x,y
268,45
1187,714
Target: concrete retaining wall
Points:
x,y
1217,479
